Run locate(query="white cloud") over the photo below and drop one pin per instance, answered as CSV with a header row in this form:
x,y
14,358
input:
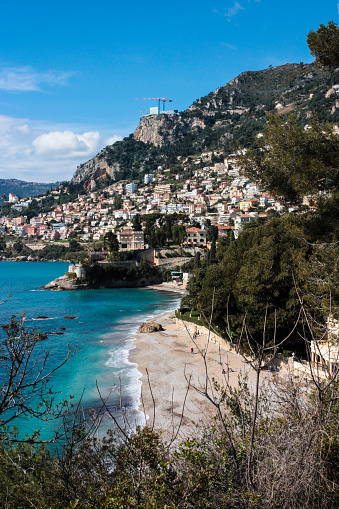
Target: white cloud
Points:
x,y
26,79
232,11
44,152
66,144
23,129
113,139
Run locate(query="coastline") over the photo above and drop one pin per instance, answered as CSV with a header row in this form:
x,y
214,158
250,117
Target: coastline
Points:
x,y
168,287
165,363
63,283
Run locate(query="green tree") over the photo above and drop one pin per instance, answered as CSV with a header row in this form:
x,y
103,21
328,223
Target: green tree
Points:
x,y
256,273
223,244
292,161
2,245
178,234
160,237
136,223
212,233
111,242
28,475
18,246
324,45
213,251
197,260
74,245
143,265
207,223
117,202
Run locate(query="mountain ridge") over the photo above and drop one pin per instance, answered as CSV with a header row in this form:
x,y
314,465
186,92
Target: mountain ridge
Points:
x,y
231,115
25,189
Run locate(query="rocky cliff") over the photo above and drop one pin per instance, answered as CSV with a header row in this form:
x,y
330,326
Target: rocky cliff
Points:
x,y
161,129
93,170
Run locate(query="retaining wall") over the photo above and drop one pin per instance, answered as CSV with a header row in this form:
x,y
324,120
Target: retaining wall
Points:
x,y
203,331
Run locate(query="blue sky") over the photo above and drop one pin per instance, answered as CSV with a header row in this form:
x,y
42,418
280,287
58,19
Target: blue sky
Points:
x,y
70,70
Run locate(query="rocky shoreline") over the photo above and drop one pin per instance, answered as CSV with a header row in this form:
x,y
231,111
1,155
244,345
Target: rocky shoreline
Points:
x,y
64,283
29,259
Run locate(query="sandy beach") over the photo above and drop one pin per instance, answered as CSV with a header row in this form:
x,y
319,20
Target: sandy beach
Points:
x,y
167,364
170,286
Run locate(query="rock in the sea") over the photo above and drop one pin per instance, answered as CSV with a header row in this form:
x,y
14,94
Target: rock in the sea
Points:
x,y
42,318
150,327
68,317
64,283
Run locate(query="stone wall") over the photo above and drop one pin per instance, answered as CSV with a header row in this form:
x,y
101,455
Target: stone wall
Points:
x,y
203,331
171,262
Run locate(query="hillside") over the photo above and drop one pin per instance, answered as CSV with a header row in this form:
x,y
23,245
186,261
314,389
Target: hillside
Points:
x,y
221,120
24,189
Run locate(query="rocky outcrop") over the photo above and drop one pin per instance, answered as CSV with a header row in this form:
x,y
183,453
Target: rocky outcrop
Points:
x,y
94,169
64,283
148,327
160,129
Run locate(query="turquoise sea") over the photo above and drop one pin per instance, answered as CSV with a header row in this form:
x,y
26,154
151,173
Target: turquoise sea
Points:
x,y
102,331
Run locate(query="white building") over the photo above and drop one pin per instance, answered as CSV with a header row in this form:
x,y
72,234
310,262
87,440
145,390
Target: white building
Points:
x,y
325,354
77,269
148,178
130,188
13,198
130,240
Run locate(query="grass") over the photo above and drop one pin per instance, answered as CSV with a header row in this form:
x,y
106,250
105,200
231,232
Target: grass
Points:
x,y
192,317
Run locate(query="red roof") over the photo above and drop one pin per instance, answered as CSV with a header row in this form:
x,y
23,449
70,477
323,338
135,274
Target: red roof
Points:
x,y
129,232
193,229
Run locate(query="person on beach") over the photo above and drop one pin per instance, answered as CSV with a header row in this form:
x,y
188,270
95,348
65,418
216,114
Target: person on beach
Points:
x,y
192,350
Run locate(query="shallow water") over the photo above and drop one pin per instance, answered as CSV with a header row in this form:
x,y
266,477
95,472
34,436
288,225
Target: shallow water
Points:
x,y
102,331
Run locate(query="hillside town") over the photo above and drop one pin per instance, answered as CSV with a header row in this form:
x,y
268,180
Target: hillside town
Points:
x,y
214,193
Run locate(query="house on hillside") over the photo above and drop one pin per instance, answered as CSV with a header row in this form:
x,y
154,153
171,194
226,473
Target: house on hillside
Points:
x,y
130,240
195,236
325,354
13,198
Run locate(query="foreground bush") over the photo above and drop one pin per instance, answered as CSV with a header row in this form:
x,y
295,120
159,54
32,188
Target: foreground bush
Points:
x,y
293,462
